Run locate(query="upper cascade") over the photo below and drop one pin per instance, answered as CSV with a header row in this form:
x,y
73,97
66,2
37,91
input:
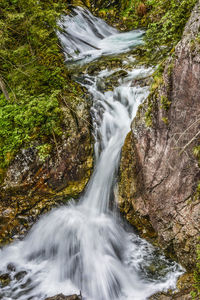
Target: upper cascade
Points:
x,y
85,37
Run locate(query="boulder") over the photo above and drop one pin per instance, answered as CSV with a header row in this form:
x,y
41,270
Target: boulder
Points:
x,y
62,297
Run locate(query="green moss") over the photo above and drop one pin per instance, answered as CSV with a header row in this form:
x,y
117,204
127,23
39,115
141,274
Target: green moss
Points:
x,y
5,279
196,292
196,152
33,117
152,99
165,103
168,19
165,120
198,38
164,21
148,116
44,151
35,76
170,68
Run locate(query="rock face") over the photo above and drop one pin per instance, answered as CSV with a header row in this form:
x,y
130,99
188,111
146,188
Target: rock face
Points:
x,y
159,172
33,185
62,297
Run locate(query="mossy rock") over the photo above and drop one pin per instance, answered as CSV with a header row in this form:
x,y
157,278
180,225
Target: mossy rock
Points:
x,y
5,279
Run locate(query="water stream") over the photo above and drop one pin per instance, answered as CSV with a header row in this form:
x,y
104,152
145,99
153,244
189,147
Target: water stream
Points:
x,y
87,247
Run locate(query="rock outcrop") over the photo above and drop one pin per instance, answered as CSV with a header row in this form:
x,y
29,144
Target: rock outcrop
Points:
x,y
62,297
159,172
32,185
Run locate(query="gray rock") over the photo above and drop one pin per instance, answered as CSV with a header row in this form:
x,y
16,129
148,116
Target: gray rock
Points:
x,y
62,297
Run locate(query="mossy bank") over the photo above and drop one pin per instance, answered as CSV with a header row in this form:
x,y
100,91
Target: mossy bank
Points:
x,y
46,146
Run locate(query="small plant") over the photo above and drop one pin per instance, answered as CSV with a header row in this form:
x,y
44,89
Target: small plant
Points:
x,y
196,292
148,113
166,24
148,117
196,152
33,117
33,76
165,120
165,103
44,151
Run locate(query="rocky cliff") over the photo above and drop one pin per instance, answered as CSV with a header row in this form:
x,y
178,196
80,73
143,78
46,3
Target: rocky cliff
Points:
x,y
34,184
159,173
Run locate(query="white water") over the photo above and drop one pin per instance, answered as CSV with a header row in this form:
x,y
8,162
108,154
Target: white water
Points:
x,y
85,246
85,37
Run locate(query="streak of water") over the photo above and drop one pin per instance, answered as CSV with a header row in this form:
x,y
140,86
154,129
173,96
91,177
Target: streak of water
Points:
x,y
85,246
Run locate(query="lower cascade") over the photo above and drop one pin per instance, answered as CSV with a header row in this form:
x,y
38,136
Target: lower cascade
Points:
x,y
87,246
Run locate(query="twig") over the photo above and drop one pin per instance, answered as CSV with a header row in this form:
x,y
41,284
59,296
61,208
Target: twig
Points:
x,y
189,143
187,130
16,67
76,112
11,89
4,89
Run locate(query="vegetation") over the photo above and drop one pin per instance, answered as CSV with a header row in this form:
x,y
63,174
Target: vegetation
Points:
x,y
163,20
31,117
168,19
32,70
153,96
196,152
196,292
32,74
165,103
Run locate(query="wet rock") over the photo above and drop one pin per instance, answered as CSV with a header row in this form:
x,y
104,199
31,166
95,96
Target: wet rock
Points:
x,y
110,82
142,82
104,63
113,80
26,285
5,279
11,267
62,297
20,275
159,172
184,285
165,296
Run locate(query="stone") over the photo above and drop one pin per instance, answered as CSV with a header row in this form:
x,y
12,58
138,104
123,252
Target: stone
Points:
x,y
20,275
159,173
5,279
62,297
11,267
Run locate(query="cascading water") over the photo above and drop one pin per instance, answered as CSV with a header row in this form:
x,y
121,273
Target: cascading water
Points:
x,y
86,37
85,246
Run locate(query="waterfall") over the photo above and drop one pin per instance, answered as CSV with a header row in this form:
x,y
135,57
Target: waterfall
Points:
x,y
87,246
85,37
